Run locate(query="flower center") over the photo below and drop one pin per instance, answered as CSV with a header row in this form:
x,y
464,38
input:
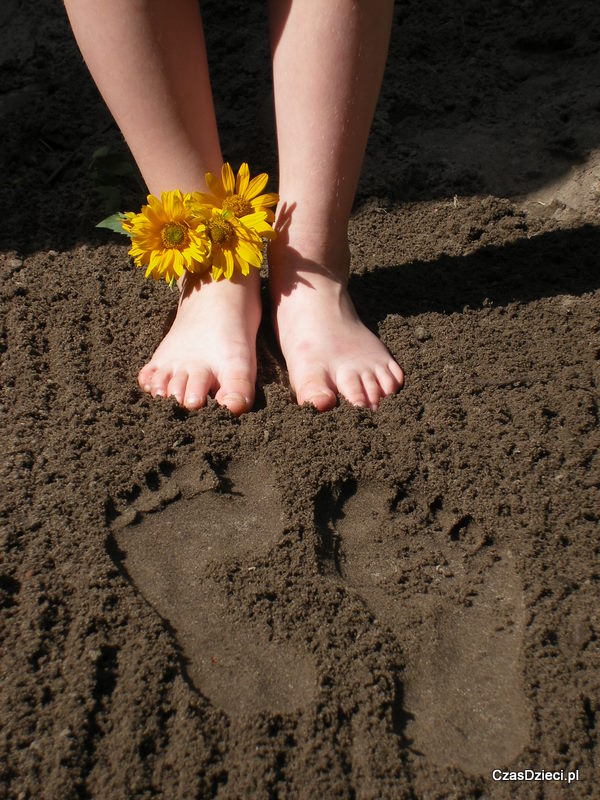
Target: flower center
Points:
x,y
174,235
237,205
220,230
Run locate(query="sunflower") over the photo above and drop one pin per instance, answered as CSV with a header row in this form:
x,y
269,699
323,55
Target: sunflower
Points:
x,y
237,217
239,195
234,242
167,237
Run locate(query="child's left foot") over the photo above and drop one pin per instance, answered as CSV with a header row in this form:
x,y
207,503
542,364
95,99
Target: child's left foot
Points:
x,y
211,346
327,349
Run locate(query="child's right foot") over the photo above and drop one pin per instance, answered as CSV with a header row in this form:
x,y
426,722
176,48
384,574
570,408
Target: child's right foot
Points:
x,y
211,346
327,349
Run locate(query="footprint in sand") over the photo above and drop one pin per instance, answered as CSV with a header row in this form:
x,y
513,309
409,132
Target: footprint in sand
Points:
x,y
463,696
166,543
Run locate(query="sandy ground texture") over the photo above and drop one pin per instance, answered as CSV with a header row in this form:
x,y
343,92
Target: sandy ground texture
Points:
x,y
292,604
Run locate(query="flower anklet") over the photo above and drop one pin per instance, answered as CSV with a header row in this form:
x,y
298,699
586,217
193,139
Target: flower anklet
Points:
x,y
219,230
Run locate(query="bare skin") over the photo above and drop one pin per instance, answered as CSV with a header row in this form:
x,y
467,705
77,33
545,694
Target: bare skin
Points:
x,y
211,346
328,61
327,348
165,111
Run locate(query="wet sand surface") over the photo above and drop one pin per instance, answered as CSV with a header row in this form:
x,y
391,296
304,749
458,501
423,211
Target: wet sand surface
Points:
x,y
293,604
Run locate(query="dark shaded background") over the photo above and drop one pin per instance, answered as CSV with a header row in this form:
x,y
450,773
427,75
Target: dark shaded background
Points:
x,y
477,97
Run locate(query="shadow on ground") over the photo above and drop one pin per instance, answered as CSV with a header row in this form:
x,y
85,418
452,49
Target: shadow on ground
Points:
x,y
560,262
475,99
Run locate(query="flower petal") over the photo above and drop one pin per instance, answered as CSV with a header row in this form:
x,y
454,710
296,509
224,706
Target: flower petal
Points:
x,y
243,177
219,259
256,186
218,263
166,261
229,263
214,185
201,200
249,253
264,201
257,223
155,204
228,179
197,253
243,265
178,262
155,263
169,203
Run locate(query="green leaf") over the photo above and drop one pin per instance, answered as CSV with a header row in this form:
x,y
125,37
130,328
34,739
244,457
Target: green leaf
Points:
x,y
100,152
111,198
106,166
114,223
114,164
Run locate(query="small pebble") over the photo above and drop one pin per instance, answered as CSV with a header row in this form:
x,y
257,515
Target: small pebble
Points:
x,y
421,334
444,570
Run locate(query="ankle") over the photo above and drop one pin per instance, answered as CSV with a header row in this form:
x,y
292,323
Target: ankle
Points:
x,y
307,257
316,236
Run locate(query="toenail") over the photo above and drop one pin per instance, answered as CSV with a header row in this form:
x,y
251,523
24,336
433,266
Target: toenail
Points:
x,y
320,394
191,400
374,406
235,397
159,393
147,387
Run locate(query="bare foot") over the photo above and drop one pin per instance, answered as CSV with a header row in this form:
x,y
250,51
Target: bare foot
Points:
x,y
328,350
211,346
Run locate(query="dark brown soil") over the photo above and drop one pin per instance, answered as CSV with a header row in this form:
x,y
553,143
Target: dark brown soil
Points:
x,y
290,605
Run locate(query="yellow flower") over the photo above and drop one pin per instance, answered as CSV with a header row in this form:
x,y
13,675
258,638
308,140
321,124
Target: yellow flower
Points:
x,y
241,196
167,237
237,217
233,242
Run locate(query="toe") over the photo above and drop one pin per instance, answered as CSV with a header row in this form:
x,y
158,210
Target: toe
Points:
x,y
197,388
389,384
236,392
159,382
397,372
236,402
177,384
145,377
352,389
316,388
372,389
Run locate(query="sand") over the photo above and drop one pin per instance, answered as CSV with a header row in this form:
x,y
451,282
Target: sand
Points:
x,y
293,604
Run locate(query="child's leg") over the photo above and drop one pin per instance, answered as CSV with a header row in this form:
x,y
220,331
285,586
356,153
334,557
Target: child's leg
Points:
x,y
148,59
328,61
